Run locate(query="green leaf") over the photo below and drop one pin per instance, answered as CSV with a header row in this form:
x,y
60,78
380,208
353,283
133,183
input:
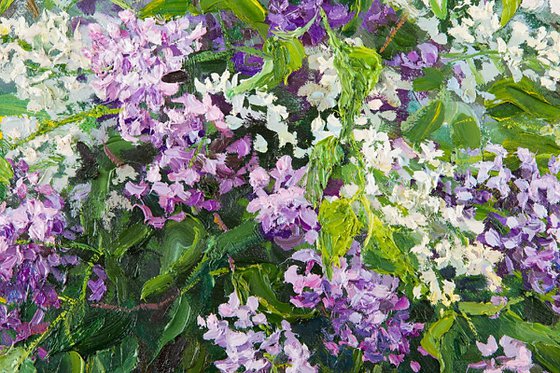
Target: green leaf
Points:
x,y
433,79
157,285
11,359
525,96
132,236
549,356
466,132
166,8
71,362
258,280
181,249
4,5
282,58
249,11
509,7
119,359
10,105
424,122
325,156
477,309
339,226
6,172
181,314
431,341
439,7
384,255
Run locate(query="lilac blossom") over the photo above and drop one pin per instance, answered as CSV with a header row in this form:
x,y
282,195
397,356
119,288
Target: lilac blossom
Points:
x,y
97,285
284,213
250,342
285,16
363,307
28,234
525,224
516,356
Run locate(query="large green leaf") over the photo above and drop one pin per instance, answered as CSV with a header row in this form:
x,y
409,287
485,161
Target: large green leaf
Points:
x,y
388,252
509,7
523,95
477,309
425,121
130,237
432,79
10,105
258,280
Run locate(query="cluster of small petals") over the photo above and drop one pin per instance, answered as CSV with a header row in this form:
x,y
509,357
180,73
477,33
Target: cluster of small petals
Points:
x,y
528,234
28,233
364,308
516,358
284,213
285,16
246,336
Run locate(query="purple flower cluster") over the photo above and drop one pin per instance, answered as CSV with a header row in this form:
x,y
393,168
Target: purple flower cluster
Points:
x,y
284,213
363,307
527,228
28,256
285,16
130,61
252,343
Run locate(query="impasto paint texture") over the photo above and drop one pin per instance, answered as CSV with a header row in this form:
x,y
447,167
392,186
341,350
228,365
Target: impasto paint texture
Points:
x,y
283,186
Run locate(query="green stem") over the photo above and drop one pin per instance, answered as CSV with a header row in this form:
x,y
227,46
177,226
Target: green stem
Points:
x,y
49,125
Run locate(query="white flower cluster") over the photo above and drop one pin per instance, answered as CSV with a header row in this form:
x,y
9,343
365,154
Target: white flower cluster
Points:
x,y
525,52
45,62
256,105
441,231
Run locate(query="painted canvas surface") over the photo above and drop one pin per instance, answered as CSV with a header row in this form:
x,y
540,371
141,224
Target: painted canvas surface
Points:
x,y
279,186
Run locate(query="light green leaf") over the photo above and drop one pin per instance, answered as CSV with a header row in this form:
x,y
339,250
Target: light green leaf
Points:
x,y
4,5
166,8
249,11
11,359
282,58
439,7
6,172
339,226
431,342
477,309
509,7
